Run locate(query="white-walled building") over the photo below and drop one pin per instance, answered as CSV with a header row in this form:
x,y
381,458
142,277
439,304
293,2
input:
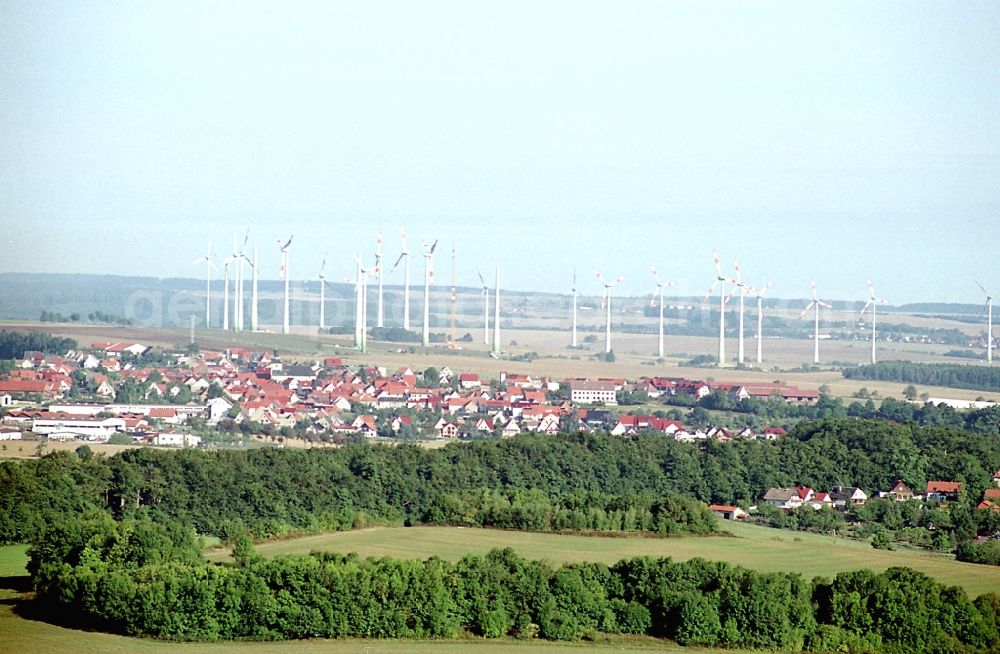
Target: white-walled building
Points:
x,y
593,392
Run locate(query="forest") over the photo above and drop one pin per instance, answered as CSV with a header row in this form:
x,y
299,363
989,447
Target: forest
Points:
x,y
148,579
13,345
952,375
566,482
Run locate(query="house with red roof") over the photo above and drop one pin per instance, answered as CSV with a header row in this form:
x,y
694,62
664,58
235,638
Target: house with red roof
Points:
x,y
943,491
469,380
21,388
365,425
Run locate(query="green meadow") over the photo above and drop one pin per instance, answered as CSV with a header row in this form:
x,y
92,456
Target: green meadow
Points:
x,y
760,548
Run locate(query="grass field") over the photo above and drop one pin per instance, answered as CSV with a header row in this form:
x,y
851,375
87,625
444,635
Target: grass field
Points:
x,y
755,547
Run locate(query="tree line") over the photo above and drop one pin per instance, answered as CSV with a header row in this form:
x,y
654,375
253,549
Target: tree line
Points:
x,y
577,481
979,378
13,345
148,579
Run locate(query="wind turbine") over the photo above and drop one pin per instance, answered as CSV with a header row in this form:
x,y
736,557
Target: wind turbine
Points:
x,y
759,294
720,281
989,323
284,274
363,274
253,289
652,300
207,259
240,256
322,294
225,292
234,258
738,283
872,302
486,309
607,298
815,305
428,280
358,307
496,314
379,315
405,256
575,295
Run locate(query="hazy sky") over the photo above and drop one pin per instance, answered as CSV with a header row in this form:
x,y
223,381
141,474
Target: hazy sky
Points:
x,y
835,140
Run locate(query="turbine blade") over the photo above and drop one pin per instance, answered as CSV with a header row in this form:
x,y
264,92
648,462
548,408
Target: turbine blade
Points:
x,y
397,261
808,306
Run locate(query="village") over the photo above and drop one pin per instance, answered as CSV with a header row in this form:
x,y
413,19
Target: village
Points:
x,y
111,389
128,393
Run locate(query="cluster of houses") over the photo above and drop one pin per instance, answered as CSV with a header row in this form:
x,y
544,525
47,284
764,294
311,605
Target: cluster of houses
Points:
x,y
329,397
845,497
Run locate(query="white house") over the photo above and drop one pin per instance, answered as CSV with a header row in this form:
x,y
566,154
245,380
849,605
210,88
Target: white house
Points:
x,y
175,439
217,408
592,392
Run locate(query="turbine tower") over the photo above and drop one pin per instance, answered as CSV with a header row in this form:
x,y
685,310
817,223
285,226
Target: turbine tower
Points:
x,y
486,309
405,256
815,305
428,280
322,294
225,292
607,299
240,257
379,315
575,295
207,259
989,324
284,275
454,299
235,259
253,289
872,302
759,294
363,274
496,315
720,281
652,300
357,303
738,283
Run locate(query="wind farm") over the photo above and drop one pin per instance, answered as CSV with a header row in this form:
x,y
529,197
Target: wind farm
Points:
x,y
624,321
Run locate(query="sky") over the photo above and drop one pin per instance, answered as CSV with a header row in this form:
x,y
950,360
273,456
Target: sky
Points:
x,y
829,141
